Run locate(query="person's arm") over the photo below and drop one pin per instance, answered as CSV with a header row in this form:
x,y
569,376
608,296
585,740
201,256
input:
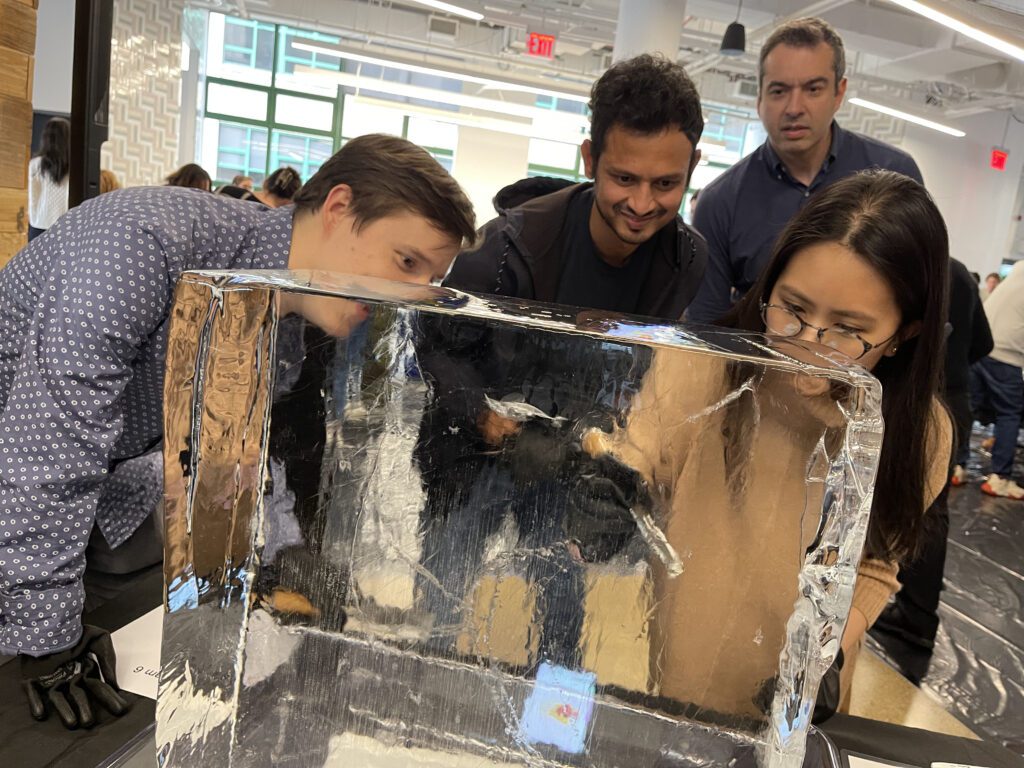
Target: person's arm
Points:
x,y
62,418
456,354
712,220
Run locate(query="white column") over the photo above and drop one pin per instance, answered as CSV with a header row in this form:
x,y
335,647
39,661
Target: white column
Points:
x,y
486,161
649,26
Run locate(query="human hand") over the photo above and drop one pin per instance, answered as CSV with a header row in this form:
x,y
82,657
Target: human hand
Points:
x,y
496,429
68,679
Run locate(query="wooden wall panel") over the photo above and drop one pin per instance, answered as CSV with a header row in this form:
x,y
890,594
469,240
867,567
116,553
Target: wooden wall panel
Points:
x,y
17,48
18,30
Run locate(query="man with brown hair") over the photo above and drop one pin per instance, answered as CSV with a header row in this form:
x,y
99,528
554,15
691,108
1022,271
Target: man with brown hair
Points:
x,y
802,82
83,337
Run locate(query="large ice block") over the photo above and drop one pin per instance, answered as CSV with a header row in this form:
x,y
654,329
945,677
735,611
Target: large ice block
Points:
x,y
412,526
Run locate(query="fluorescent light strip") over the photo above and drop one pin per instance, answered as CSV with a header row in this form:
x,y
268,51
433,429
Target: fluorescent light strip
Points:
x,y
449,8
908,117
361,83
505,86
1003,46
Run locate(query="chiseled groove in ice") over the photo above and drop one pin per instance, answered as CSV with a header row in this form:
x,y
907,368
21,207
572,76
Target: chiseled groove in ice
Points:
x,y
198,388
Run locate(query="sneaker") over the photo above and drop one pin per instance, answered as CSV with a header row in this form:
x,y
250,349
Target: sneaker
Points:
x,y
1002,487
959,476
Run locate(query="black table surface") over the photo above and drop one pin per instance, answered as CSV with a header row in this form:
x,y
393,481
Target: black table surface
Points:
x,y
27,743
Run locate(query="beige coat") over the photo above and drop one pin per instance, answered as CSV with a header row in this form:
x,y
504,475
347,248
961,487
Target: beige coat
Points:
x,y
717,629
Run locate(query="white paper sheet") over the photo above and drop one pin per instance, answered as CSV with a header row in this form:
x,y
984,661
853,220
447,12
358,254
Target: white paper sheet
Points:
x,y
137,646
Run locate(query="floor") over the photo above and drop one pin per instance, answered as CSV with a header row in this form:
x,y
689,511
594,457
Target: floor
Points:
x,y
977,671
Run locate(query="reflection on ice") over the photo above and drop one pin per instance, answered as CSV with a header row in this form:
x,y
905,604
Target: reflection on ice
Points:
x,y
477,533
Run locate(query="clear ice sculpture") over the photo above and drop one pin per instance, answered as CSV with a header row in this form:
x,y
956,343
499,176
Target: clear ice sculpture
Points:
x,y
369,496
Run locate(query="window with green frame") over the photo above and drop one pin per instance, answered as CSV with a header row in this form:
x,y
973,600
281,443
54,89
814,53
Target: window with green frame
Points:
x,y
289,56
302,152
241,149
249,43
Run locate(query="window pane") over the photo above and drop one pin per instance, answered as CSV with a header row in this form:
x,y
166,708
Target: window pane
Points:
x,y
553,154
230,148
431,133
304,70
304,113
235,101
360,118
233,49
303,153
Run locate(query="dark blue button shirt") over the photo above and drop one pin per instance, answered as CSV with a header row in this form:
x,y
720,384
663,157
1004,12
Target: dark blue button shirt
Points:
x,y
742,212
83,337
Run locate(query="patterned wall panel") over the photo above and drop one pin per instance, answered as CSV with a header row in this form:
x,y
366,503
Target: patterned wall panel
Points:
x,y
871,123
145,90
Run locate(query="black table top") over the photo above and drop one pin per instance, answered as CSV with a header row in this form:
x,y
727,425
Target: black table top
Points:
x,y
28,743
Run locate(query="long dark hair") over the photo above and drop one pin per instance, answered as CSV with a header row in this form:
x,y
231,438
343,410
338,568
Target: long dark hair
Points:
x,y
891,222
55,149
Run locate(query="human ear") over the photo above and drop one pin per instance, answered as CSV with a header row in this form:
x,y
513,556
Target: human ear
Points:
x,y
588,158
337,206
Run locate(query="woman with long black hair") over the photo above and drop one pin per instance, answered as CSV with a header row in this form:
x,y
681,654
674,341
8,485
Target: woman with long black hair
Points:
x,y
48,178
863,269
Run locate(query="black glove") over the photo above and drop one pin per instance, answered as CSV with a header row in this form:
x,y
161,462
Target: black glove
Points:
x,y
68,678
319,583
827,703
538,452
599,518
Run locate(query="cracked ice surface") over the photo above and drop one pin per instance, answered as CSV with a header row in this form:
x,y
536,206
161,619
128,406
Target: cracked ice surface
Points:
x,y
367,558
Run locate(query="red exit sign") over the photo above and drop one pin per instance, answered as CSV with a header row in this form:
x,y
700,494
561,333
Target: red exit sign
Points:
x,y
998,160
541,45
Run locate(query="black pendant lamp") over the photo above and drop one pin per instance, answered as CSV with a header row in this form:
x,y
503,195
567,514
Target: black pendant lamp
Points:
x,y
734,41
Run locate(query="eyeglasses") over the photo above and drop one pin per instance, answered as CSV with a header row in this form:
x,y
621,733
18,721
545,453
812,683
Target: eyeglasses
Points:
x,y
782,321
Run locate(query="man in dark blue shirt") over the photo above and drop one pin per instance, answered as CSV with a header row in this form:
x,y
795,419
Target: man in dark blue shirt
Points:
x,y
742,212
84,316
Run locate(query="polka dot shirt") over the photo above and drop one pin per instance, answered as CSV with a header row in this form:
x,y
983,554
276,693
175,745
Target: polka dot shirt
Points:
x,y
83,337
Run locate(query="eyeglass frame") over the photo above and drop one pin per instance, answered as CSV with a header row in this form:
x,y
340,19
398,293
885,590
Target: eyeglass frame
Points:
x,y
868,346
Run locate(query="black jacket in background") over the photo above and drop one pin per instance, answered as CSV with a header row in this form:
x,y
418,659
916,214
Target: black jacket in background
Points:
x,y
521,254
971,337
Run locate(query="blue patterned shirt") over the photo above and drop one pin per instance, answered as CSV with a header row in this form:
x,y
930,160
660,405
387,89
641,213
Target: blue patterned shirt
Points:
x,y
83,336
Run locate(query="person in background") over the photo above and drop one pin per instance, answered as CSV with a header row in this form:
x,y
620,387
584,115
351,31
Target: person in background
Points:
x,y
245,182
992,280
108,181
861,269
802,83
907,627
617,244
998,382
693,204
190,175
279,187
48,177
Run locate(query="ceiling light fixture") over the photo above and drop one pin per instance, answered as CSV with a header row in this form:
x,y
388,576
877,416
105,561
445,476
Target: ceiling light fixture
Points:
x,y
325,48
454,10
734,41
1003,46
908,117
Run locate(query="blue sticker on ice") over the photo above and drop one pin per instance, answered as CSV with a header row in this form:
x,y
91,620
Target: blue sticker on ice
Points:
x,y
559,708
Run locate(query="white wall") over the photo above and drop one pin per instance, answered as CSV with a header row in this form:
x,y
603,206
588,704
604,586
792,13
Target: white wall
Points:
x,y
978,202
486,161
55,46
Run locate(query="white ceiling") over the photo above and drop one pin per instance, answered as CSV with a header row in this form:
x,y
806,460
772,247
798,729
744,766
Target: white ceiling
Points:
x,y
890,52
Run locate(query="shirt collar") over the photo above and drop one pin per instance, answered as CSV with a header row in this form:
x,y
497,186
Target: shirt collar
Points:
x,y
838,140
274,238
